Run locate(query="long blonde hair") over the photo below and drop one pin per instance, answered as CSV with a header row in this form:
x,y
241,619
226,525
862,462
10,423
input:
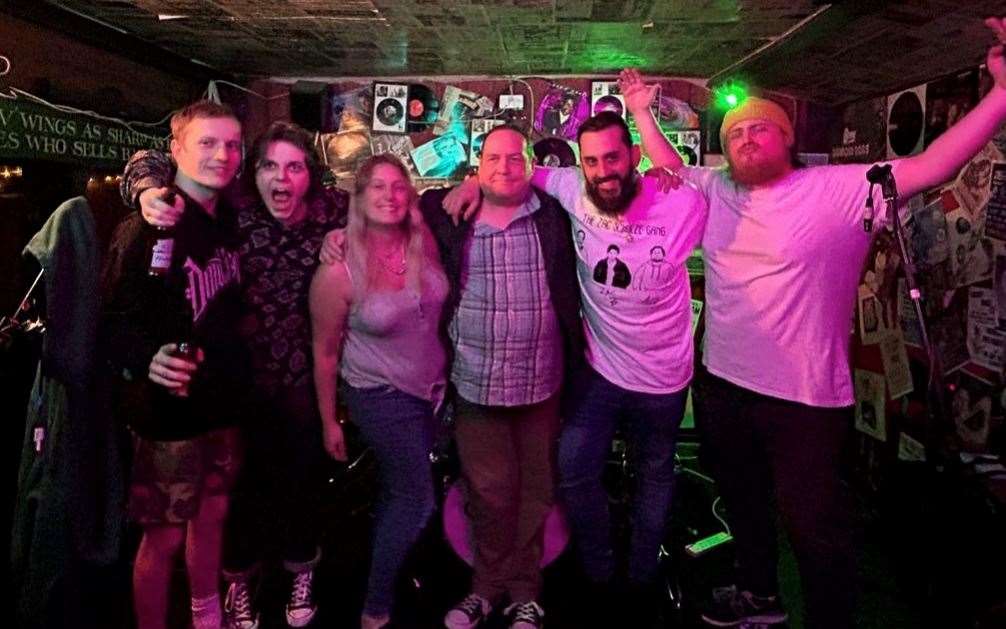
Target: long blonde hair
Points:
x,y
420,248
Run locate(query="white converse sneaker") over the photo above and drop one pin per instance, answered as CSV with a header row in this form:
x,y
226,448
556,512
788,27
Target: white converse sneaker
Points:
x,y
527,615
300,609
239,612
469,613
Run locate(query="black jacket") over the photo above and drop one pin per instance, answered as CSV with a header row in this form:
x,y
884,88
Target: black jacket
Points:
x,y
556,240
198,301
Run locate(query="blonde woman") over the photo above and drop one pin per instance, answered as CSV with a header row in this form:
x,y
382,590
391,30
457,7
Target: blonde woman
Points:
x,y
375,321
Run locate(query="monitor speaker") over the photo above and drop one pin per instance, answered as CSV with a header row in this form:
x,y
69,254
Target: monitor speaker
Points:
x,y
309,106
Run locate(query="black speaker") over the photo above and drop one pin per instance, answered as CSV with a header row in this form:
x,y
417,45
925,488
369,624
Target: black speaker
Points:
x,y
309,106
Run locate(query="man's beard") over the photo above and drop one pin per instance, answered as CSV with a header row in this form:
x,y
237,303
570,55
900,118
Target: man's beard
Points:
x,y
759,171
613,206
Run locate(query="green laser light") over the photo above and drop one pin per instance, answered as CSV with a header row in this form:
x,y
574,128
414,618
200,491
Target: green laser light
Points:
x,y
730,95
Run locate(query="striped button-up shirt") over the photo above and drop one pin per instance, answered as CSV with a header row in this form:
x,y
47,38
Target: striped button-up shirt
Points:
x,y
507,342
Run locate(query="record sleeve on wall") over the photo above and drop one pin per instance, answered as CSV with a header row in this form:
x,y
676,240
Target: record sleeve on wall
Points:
x,y
947,100
861,136
440,157
480,127
390,101
561,112
688,144
906,122
606,96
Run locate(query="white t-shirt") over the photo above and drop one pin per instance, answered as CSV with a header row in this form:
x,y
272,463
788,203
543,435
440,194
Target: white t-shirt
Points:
x,y
633,282
782,266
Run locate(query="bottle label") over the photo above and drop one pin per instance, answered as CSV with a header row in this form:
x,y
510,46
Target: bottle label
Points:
x,y
160,255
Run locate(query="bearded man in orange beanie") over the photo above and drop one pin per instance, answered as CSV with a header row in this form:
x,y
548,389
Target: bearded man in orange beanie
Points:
x,y
783,250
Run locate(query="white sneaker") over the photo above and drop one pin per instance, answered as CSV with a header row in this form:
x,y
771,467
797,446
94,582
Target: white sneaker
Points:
x,y
469,613
300,609
527,615
238,610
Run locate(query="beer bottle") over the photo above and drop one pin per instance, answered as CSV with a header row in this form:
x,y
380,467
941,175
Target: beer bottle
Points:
x,y
163,245
188,351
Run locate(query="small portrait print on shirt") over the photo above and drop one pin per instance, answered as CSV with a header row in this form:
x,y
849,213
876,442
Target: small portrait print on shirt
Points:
x,y
654,276
611,271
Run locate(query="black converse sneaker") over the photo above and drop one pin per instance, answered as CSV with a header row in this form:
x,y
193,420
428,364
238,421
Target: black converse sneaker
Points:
x,y
731,607
527,615
469,613
300,609
238,610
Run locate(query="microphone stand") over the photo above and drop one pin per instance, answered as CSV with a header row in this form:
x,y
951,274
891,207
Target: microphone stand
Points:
x,y
882,176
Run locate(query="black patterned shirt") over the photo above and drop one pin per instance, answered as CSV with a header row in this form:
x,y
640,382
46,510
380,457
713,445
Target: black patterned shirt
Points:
x,y
277,264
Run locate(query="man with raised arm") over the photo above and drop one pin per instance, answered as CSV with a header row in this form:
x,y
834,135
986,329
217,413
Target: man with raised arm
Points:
x,y
783,250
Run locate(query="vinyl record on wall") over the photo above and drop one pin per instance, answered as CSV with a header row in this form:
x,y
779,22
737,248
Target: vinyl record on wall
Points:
x,y
906,121
389,111
423,108
554,152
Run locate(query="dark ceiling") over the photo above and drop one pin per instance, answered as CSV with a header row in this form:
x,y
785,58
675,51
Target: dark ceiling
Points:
x,y
827,53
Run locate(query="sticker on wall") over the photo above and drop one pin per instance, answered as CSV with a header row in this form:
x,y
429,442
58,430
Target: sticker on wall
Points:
x,y
511,101
870,396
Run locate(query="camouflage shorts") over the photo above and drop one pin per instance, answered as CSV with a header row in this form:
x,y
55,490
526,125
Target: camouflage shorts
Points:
x,y
170,478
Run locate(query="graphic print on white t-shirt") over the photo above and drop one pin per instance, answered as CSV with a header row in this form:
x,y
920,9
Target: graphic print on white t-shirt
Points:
x,y
633,281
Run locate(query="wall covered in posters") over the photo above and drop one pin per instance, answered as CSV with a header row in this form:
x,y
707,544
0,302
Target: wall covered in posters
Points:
x,y
956,235
437,127
434,125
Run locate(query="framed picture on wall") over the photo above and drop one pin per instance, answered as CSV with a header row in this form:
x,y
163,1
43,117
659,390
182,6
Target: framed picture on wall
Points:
x,y
390,101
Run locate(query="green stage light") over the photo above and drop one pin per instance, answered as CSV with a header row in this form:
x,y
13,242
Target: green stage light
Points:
x,y
729,95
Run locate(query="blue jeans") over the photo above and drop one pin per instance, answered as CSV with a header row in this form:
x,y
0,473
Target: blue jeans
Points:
x,y
398,427
651,421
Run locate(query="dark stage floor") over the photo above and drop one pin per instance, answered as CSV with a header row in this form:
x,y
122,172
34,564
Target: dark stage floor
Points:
x,y
436,577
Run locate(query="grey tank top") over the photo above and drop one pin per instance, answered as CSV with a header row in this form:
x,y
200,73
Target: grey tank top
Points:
x,y
392,339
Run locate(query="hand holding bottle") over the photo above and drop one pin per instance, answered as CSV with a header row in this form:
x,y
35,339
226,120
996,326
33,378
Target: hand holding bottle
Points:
x,y
161,207
173,367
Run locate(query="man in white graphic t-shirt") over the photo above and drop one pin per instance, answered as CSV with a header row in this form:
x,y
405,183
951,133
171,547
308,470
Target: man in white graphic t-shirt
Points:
x,y
639,344
783,249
